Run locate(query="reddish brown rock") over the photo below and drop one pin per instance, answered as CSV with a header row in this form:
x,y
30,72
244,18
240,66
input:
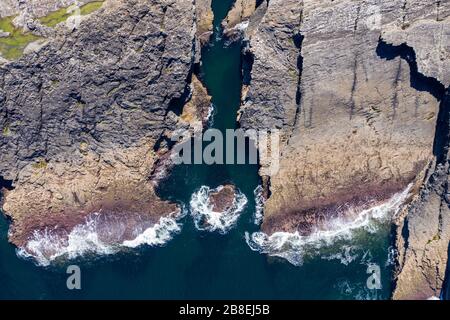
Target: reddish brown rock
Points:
x,y
223,199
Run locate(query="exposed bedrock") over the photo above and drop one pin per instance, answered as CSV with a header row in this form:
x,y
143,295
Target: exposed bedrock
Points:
x,y
27,13
222,200
204,20
423,229
83,119
238,18
357,124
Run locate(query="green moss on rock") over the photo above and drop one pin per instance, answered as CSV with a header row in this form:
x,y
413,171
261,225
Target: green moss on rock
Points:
x,y
12,46
61,15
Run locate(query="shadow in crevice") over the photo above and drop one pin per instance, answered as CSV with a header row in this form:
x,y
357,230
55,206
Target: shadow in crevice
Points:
x,y
419,81
298,41
6,184
441,139
247,65
176,104
259,2
431,85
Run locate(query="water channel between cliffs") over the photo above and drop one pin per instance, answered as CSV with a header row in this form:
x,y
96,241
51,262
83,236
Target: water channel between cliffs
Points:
x,y
197,264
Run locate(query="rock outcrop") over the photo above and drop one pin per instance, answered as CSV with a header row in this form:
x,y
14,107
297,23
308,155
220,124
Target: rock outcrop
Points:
x,y
204,19
423,230
423,241
222,200
84,118
238,18
357,105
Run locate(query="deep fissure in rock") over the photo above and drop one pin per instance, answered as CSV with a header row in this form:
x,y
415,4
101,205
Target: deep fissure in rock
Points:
x,y
431,85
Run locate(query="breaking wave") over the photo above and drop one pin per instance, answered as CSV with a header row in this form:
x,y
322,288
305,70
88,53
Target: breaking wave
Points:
x,y
206,219
94,237
259,205
293,246
210,116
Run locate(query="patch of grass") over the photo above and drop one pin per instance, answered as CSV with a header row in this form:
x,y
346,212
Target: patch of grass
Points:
x,y
6,24
53,18
61,15
435,238
91,7
12,46
6,131
42,164
84,147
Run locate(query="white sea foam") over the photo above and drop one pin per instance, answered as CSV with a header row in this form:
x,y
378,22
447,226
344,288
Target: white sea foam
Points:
x,y
242,26
392,255
46,246
210,116
347,256
293,246
206,219
259,205
157,235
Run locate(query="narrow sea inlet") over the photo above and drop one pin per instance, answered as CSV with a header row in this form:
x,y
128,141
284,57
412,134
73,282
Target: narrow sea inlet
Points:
x,y
201,263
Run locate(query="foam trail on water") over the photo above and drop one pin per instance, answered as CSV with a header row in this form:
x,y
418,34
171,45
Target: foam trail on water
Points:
x,y
48,245
346,257
206,219
158,235
292,246
210,116
259,205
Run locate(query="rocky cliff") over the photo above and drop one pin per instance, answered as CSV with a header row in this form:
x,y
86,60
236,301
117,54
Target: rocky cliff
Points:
x,y
357,88
85,118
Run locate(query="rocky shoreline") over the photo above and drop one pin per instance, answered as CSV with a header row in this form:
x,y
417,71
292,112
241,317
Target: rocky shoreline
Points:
x,y
84,119
359,121
360,92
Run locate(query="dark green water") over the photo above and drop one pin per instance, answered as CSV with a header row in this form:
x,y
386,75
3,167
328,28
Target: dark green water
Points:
x,y
199,265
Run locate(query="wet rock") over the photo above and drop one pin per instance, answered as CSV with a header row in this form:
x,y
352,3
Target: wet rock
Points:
x,y
217,210
222,200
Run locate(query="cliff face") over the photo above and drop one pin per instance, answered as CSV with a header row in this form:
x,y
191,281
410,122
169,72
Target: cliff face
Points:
x,y
423,238
356,88
85,118
239,16
204,20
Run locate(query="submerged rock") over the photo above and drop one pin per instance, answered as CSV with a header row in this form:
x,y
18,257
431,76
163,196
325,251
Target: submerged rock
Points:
x,y
222,199
217,209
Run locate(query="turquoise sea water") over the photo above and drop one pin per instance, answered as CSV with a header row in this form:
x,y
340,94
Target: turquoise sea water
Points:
x,y
201,265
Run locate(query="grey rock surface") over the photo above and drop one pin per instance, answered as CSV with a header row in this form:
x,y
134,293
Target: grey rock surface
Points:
x,y
423,232
82,117
357,105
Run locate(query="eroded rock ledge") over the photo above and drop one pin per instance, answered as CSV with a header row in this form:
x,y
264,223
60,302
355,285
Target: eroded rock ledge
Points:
x,y
83,117
358,122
